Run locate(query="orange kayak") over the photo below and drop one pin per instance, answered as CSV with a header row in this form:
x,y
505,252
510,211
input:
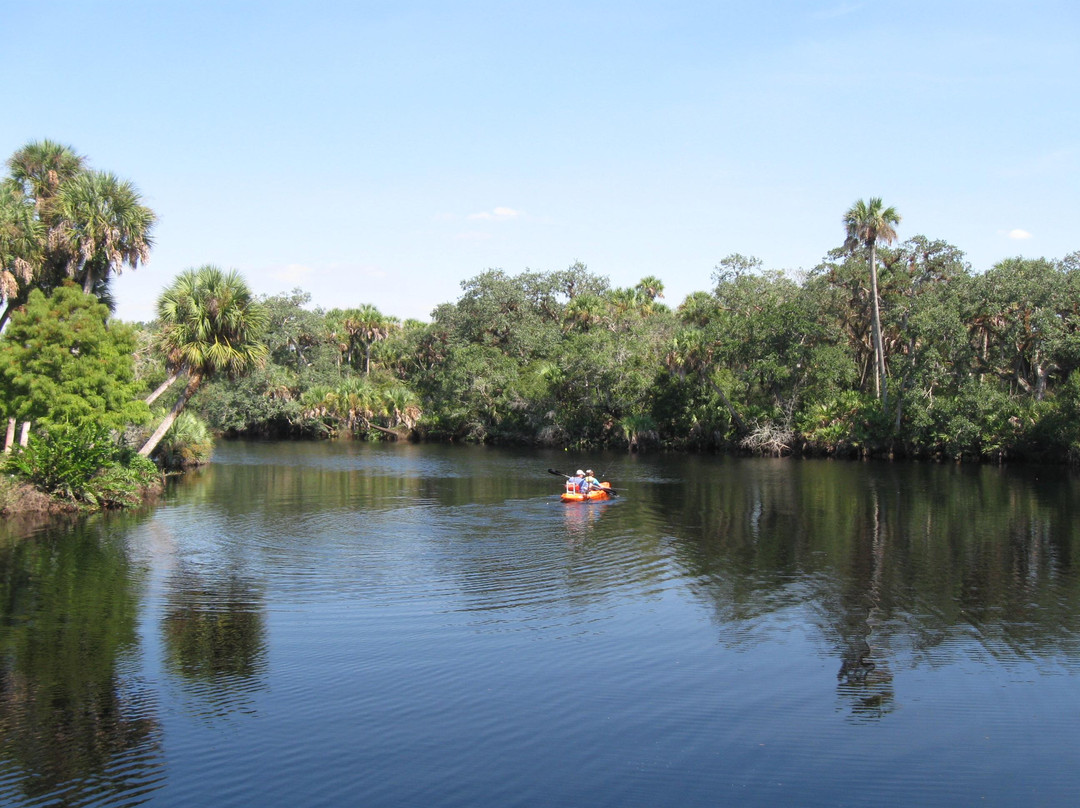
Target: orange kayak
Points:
x,y
593,495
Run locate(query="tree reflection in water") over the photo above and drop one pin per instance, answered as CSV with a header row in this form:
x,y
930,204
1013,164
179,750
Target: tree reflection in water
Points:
x,y
215,640
898,565
72,725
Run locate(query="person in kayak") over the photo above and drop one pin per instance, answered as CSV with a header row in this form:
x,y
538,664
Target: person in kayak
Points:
x,y
576,481
589,482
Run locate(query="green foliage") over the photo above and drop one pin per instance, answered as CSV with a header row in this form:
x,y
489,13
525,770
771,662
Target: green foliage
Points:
x,y
520,316
187,443
85,225
832,426
972,366
83,464
124,483
211,323
1025,322
62,362
1057,425
299,339
982,421
260,403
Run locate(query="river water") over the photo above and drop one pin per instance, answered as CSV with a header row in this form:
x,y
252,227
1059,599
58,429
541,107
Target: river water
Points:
x,y
402,625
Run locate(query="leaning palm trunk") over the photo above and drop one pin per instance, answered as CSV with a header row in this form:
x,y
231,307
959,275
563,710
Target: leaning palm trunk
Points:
x,y
165,385
739,422
159,433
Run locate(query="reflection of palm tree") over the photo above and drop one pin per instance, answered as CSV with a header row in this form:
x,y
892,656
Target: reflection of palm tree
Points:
x,y
865,674
210,324
215,635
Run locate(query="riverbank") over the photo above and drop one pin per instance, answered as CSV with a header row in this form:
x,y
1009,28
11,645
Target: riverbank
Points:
x,y
19,499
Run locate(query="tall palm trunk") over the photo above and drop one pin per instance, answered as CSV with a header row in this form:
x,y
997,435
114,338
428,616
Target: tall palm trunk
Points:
x,y
159,433
879,352
88,279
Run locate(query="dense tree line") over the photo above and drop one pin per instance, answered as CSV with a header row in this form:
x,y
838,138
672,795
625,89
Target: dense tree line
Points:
x,y
882,348
965,364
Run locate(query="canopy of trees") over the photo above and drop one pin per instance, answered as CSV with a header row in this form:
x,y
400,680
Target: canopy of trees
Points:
x,y
61,220
966,365
882,348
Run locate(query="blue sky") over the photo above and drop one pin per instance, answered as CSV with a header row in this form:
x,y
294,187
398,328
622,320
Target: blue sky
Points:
x,y
383,152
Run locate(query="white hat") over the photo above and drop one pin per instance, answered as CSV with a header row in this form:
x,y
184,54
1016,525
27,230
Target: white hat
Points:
x,y
580,473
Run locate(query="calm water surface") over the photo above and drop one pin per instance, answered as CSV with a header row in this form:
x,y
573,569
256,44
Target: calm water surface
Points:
x,y
397,625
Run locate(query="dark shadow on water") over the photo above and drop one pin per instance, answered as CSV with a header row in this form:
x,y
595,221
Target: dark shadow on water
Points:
x,y
73,725
899,564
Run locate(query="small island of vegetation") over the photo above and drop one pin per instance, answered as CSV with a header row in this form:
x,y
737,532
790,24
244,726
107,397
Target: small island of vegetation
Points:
x,y
885,348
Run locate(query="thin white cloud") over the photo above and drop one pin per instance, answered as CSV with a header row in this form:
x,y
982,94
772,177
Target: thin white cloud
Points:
x,y
1019,234
348,268
293,273
497,215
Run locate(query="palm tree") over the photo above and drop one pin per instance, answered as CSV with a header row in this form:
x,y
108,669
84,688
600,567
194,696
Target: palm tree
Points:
x,y
20,246
356,402
867,223
36,173
651,287
403,406
102,226
583,311
691,353
39,169
366,325
210,323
